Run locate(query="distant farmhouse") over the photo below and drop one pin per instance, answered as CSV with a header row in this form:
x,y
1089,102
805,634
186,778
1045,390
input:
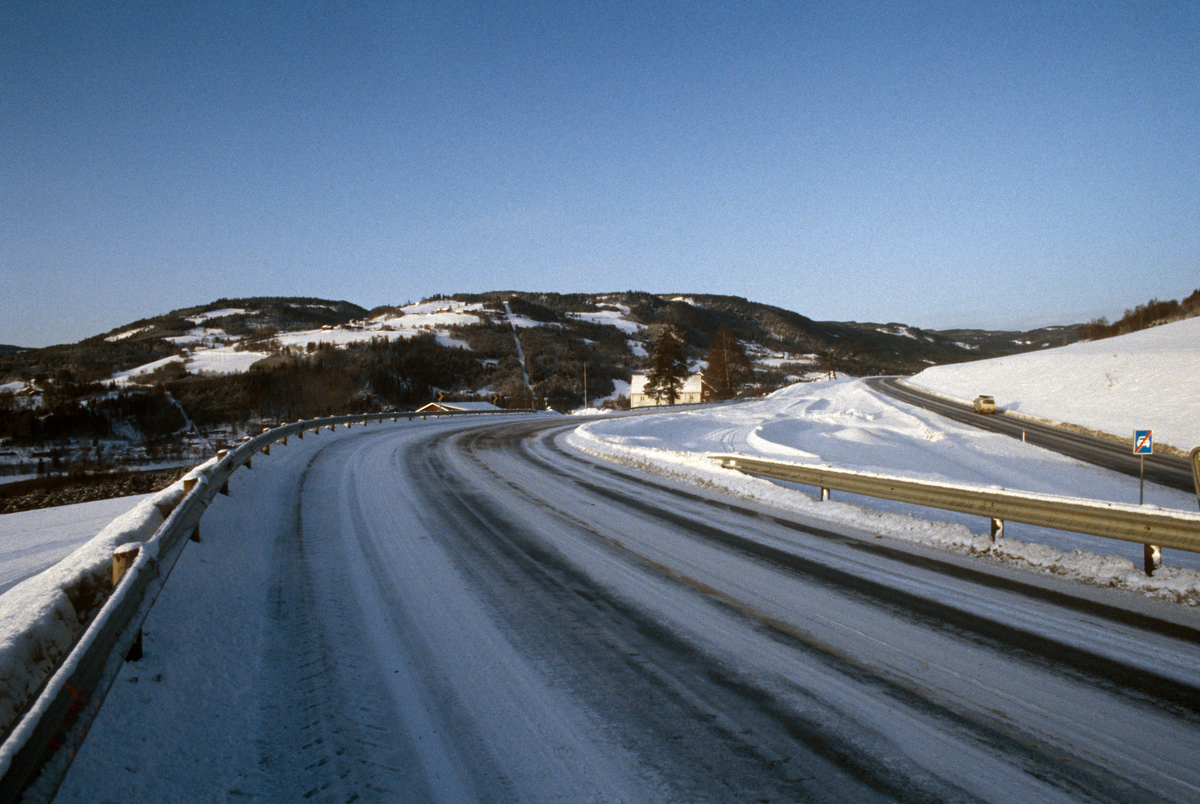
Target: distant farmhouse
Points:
x,y
694,391
458,407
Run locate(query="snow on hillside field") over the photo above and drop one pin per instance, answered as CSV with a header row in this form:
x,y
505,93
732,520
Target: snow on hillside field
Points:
x,y
31,541
1148,380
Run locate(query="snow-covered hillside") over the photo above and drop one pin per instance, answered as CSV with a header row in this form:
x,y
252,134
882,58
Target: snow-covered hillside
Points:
x,y
211,350
1144,380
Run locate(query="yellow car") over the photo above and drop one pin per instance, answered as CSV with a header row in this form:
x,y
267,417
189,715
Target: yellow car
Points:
x,y
985,404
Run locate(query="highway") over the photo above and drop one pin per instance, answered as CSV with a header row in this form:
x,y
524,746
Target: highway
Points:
x,y
469,611
1166,470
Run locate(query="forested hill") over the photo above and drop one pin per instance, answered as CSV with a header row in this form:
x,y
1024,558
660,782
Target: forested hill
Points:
x,y
244,359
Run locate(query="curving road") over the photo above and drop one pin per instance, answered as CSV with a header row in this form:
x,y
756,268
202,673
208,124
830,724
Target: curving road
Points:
x,y
1166,470
469,611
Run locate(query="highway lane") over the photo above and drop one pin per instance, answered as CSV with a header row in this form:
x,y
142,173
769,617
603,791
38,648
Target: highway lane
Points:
x,y
1166,470
463,611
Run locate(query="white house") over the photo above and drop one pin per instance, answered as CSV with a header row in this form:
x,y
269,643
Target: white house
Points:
x,y
694,391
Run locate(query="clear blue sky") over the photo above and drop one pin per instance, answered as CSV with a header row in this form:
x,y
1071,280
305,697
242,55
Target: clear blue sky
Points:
x,y
982,164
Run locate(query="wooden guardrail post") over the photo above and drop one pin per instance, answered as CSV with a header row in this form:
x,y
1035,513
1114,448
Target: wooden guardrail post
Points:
x,y
1195,458
824,495
123,558
997,529
1152,558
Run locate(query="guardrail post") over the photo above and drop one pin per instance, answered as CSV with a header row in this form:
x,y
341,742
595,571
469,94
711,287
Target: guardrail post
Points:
x,y
824,495
266,450
997,529
1195,457
123,558
1153,558
225,488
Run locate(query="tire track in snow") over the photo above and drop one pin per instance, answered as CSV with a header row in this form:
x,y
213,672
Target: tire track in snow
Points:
x,y
689,712
330,734
1034,649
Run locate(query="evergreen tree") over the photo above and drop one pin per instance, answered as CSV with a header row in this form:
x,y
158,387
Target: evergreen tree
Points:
x,y
727,365
669,366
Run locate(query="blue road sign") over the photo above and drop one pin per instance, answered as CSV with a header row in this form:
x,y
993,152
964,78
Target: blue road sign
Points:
x,y
1143,442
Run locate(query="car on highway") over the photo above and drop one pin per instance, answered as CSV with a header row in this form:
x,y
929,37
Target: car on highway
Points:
x,y
985,404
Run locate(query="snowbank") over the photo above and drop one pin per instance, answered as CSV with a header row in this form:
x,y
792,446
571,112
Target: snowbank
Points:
x,y
44,615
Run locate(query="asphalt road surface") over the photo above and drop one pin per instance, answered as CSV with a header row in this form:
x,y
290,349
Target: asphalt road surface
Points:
x,y
468,611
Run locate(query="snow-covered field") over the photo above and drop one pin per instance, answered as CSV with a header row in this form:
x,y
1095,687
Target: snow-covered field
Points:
x,y
31,541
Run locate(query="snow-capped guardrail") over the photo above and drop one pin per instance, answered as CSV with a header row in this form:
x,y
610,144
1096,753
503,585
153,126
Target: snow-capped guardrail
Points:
x,y
1154,528
76,626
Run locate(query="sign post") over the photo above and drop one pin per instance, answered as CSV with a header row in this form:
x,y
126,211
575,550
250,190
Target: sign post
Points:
x,y
1143,445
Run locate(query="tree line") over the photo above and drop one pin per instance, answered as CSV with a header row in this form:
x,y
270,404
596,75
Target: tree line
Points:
x,y
1150,314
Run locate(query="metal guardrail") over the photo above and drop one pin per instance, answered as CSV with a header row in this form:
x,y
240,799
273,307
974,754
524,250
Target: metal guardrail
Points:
x,y
1153,528
42,743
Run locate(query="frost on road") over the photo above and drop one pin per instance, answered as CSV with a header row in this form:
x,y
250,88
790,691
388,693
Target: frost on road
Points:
x,y
457,611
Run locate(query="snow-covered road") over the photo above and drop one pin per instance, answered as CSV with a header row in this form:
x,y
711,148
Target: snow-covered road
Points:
x,y
470,611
